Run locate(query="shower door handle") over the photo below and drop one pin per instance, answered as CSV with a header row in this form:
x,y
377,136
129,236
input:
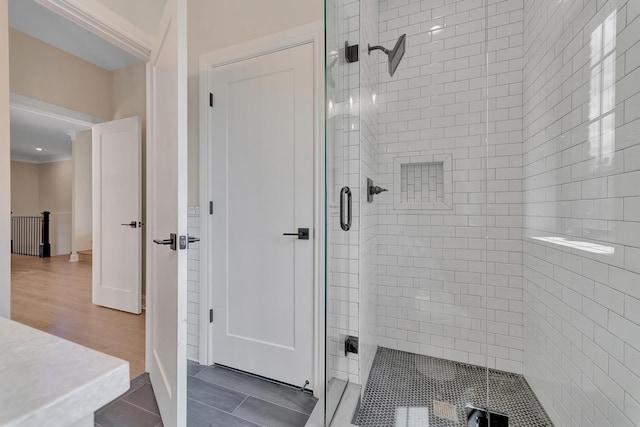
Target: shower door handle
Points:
x,y
345,225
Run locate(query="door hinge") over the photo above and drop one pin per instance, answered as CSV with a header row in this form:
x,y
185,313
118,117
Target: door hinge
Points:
x,y
211,315
351,52
210,99
210,208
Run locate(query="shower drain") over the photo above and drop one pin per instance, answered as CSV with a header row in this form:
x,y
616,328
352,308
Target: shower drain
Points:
x,y
445,410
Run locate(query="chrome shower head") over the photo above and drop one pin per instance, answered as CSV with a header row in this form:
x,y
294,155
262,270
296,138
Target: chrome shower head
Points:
x,y
395,55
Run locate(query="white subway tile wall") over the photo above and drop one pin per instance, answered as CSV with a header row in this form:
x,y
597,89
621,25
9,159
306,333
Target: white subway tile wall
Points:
x,y
193,286
582,210
432,263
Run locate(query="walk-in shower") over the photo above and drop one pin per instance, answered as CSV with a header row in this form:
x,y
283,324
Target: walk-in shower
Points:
x,y
498,275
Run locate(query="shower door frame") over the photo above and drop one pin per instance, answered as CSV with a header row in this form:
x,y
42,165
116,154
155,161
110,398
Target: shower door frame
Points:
x,y
309,33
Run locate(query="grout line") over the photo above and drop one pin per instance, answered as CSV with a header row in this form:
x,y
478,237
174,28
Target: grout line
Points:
x,y
278,404
132,389
252,395
256,397
194,375
123,396
250,375
140,407
243,400
224,412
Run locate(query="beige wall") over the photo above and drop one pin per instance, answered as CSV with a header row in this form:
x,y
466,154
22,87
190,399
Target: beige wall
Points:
x,y
214,25
55,196
82,227
43,72
55,186
130,99
47,186
46,73
25,188
129,92
145,14
5,166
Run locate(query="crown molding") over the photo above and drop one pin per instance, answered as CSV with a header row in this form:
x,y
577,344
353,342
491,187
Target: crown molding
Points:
x,y
42,108
40,160
106,24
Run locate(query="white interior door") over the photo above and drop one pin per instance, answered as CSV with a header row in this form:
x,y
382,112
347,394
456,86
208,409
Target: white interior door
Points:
x,y
262,181
167,214
117,215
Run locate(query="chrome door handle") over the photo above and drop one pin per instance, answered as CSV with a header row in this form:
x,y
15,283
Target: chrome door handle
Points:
x,y
303,234
172,241
132,224
191,239
345,225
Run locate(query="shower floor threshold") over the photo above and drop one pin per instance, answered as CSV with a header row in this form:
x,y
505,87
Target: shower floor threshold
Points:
x,y
403,388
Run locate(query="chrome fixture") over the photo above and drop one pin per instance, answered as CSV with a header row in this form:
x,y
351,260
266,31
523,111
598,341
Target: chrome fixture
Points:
x,y
345,224
395,55
372,190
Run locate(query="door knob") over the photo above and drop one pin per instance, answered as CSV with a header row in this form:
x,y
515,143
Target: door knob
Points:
x,y
191,239
132,224
171,241
303,234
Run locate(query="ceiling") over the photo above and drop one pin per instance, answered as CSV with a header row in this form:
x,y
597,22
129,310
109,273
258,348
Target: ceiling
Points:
x,y
31,130
41,23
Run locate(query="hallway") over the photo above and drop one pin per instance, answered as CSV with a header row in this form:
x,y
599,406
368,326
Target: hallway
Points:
x,y
54,295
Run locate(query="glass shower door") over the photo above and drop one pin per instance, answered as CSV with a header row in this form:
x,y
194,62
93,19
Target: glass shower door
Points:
x,y
341,204
409,277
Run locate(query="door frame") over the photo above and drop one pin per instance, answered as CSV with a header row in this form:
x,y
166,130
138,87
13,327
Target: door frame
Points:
x,y
46,109
111,27
309,33
99,20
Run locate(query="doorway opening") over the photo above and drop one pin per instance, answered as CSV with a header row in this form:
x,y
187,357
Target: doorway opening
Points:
x,y
61,89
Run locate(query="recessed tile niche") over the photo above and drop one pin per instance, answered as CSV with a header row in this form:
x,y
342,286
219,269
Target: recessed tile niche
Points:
x,y
423,182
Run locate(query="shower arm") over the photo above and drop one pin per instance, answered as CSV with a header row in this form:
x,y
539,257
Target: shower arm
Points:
x,y
382,48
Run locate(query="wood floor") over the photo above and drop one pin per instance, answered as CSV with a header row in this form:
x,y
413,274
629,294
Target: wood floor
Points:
x,y
54,295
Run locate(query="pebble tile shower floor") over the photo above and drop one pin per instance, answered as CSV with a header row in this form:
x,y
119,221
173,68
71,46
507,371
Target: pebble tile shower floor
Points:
x,y
402,388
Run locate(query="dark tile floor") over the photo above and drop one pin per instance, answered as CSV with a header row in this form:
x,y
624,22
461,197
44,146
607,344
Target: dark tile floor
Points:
x,y
216,397
223,397
137,407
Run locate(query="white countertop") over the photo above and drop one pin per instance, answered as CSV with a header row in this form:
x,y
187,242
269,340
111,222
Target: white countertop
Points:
x,y
48,381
